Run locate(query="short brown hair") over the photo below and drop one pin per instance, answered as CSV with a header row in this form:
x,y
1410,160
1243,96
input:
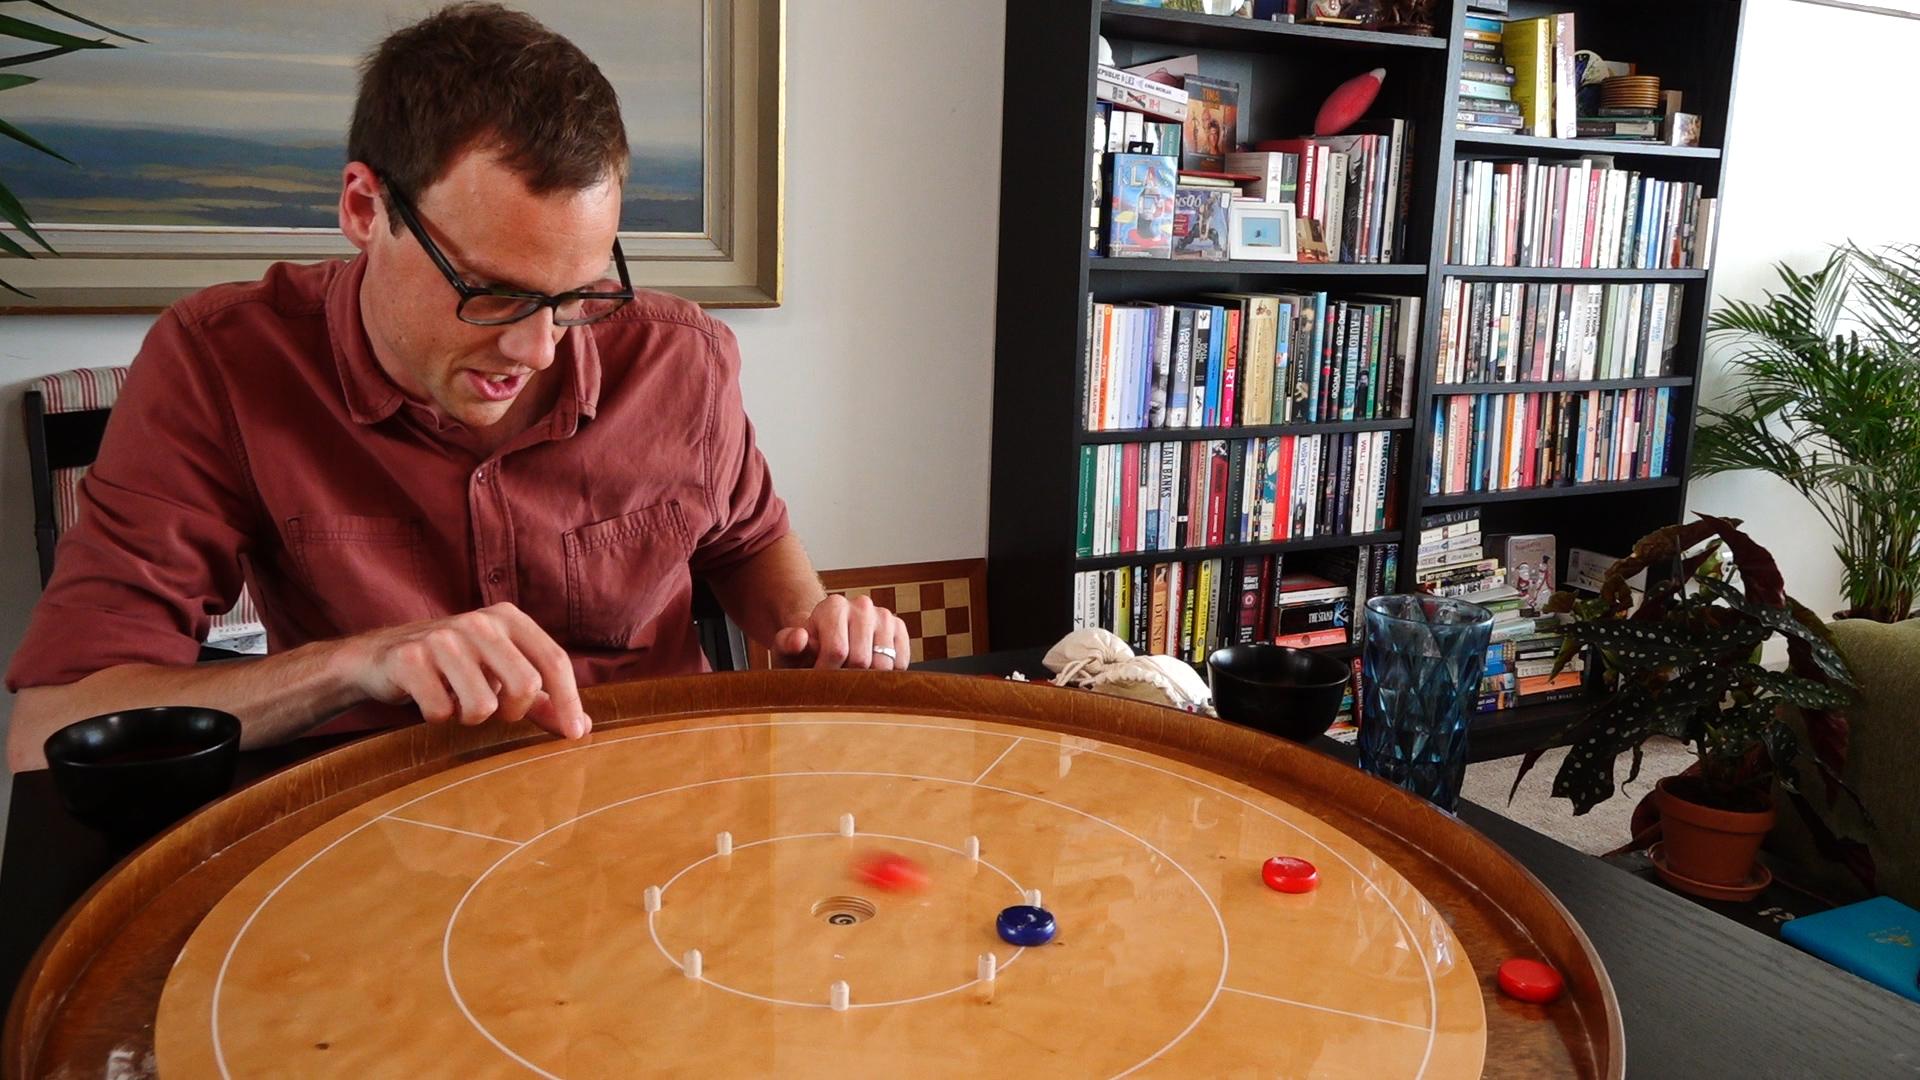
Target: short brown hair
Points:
x,y
474,71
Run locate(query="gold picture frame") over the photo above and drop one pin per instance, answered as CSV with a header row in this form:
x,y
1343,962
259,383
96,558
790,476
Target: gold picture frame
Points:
x,y
736,261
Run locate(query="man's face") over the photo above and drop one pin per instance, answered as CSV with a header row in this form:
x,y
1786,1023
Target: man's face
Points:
x,y
495,232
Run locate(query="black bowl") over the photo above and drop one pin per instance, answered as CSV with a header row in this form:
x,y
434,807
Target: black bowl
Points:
x,y
139,770
1292,693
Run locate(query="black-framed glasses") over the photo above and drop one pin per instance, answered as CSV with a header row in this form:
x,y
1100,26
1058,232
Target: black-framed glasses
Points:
x,y
497,306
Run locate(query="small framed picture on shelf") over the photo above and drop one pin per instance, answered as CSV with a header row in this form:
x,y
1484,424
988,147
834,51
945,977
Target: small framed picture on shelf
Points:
x,y
1262,231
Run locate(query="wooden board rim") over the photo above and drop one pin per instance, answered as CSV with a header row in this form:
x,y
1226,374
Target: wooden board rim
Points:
x,y
351,774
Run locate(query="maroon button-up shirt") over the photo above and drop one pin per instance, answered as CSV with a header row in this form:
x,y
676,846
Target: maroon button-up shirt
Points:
x,y
258,440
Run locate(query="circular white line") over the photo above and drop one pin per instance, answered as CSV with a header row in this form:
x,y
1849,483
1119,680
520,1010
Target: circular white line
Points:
x,y
654,931
446,938
598,742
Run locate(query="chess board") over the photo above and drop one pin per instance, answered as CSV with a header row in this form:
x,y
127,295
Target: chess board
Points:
x,y
942,603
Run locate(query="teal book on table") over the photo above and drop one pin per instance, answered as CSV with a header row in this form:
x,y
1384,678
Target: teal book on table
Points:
x,y
1878,940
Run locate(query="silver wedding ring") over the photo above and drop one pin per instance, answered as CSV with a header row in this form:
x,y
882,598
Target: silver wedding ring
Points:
x,y
882,650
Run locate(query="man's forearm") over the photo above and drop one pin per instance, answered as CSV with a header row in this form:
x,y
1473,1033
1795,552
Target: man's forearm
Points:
x,y
771,591
276,697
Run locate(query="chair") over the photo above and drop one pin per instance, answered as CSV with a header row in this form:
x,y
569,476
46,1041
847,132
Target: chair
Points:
x,y
1882,754
66,415
720,639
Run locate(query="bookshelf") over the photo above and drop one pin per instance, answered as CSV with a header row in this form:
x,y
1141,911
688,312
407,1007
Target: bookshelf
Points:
x,y
1046,274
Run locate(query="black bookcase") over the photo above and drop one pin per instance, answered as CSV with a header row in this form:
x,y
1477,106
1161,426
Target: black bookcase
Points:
x,y
1285,71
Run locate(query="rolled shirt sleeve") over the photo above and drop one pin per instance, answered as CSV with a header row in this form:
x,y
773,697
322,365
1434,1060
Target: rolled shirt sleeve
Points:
x,y
164,516
747,516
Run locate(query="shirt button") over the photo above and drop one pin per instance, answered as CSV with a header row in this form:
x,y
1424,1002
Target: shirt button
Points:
x,y
494,576
480,475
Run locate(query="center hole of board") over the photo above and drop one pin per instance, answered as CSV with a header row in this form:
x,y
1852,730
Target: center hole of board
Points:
x,y
844,910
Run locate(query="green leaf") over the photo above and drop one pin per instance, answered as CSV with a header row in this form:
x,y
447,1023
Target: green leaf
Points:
x,y
16,215
26,31
1791,688
16,291
29,58
17,135
89,22
12,247
1616,725
1782,620
8,82
1640,647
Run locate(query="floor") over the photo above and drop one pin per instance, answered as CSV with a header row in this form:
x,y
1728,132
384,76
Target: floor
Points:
x,y
1596,832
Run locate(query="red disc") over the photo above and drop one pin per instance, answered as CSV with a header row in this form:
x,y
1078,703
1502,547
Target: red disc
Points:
x,y
1289,875
1530,980
891,873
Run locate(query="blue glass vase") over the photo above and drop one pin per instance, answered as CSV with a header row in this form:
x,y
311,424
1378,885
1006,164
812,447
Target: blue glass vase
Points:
x,y
1421,673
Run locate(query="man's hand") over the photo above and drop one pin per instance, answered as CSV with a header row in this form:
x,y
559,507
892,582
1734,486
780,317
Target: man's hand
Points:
x,y
493,662
844,633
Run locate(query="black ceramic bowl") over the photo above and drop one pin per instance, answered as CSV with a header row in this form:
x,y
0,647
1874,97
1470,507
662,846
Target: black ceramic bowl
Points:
x,y
1293,693
140,770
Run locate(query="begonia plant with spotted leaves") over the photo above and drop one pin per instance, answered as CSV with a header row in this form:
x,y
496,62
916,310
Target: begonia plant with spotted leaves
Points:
x,y
1685,662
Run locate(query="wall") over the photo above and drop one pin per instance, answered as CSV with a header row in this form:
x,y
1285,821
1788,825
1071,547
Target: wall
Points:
x,y
1807,170
871,386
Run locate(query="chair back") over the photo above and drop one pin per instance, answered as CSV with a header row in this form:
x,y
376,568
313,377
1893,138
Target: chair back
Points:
x,y
66,416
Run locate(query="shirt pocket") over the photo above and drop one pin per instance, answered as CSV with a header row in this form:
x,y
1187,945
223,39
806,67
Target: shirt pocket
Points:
x,y
364,572
625,575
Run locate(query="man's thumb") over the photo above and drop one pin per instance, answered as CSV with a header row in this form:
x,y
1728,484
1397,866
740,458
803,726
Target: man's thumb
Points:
x,y
791,642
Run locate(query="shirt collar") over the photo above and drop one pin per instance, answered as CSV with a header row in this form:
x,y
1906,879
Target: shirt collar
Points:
x,y
372,396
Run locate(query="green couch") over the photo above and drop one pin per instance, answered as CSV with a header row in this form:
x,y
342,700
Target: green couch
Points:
x,y
1883,766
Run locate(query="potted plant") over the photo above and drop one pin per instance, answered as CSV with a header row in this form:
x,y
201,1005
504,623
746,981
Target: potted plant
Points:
x,y
1684,661
1829,401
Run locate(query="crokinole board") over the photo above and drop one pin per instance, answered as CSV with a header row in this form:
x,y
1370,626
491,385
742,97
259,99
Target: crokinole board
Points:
x,y
480,902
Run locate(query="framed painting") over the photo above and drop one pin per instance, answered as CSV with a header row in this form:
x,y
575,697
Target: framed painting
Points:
x,y
215,148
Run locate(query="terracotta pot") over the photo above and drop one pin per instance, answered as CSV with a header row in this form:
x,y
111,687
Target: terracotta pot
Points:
x,y
1708,844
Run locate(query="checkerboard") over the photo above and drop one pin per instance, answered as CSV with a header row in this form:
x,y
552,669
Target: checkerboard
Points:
x,y
942,603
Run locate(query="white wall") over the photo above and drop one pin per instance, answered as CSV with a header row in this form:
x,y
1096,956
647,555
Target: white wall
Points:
x,y
1821,152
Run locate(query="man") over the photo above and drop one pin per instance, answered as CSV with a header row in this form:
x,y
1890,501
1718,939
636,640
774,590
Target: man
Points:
x,y
463,474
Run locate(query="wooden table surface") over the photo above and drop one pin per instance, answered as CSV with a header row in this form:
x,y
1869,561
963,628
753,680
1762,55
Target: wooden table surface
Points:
x,y
1701,996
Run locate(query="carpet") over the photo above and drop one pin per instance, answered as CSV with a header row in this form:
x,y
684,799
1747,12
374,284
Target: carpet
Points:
x,y
1596,832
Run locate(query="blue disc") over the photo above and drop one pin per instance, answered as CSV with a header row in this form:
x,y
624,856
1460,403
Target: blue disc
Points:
x,y
1025,925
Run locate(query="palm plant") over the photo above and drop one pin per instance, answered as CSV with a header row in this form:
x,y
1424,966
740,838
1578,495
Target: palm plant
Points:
x,y
57,43
1829,401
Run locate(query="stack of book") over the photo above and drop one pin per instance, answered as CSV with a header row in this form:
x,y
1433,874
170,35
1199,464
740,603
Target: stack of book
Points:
x,y
1576,214
1175,496
1189,609
1512,331
1450,560
1135,115
1239,358
1525,644
1508,442
1486,81
1351,193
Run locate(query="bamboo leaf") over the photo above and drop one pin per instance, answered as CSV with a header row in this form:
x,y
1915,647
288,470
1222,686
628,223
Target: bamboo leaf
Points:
x,y
8,82
17,135
26,31
35,57
16,215
89,22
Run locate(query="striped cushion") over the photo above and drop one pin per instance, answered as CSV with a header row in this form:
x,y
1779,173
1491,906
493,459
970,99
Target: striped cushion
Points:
x,y
97,388
81,389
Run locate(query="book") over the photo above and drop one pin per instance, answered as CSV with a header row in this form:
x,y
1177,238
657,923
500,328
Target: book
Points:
x,y
1877,939
1138,93
1212,123
1200,222
1528,45
1140,211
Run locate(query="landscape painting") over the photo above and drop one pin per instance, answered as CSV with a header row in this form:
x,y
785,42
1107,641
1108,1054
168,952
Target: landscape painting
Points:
x,y
222,135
